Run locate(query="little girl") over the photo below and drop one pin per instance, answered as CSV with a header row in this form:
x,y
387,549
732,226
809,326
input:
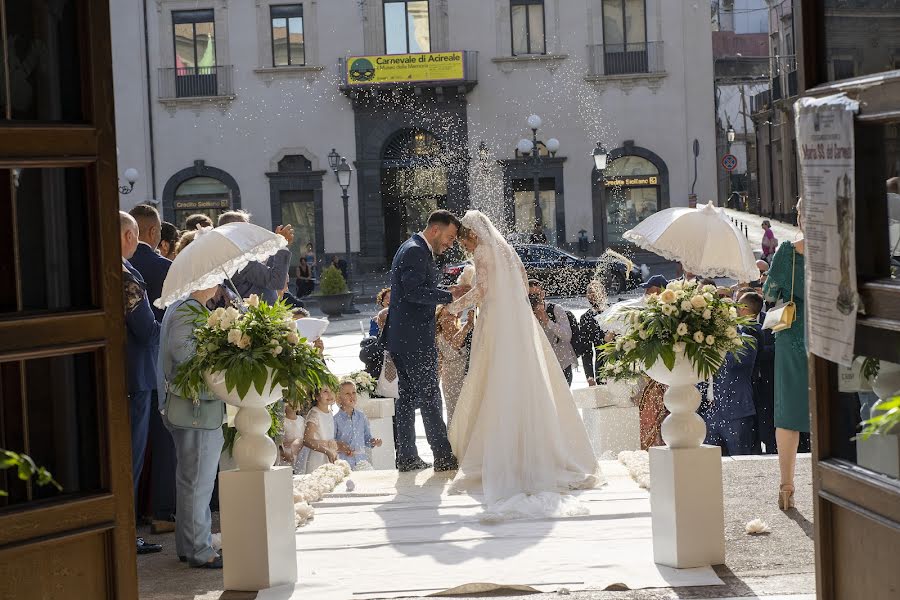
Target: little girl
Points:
x,y
319,435
292,442
453,355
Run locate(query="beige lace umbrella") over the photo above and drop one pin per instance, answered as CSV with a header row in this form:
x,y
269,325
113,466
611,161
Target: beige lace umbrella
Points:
x,y
702,239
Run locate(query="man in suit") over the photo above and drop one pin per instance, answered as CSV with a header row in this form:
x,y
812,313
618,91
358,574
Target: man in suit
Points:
x,y
142,346
409,337
161,449
731,417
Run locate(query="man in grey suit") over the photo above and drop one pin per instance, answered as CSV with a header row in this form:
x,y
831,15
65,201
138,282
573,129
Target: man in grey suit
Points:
x,y
409,337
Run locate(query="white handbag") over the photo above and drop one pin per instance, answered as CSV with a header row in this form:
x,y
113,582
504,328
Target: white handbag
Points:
x,y
388,384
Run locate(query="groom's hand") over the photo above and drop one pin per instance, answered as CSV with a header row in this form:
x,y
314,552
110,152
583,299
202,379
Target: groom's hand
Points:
x,y
459,290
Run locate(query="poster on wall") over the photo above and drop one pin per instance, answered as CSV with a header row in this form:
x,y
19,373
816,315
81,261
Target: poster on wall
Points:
x,y
825,148
405,68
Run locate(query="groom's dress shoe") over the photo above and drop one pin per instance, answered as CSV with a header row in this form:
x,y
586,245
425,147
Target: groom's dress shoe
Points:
x,y
447,464
414,465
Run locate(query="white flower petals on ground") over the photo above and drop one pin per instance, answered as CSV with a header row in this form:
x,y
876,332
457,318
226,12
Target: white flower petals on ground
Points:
x,y
756,527
638,465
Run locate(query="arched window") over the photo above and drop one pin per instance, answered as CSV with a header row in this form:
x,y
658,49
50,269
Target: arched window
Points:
x,y
632,194
205,195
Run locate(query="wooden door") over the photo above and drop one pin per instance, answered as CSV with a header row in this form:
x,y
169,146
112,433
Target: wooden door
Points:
x,y
62,386
857,505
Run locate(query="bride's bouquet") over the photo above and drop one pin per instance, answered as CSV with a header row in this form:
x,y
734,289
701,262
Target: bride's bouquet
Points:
x,y
685,318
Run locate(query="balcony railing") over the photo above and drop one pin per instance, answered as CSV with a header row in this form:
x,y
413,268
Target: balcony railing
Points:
x,y
761,101
196,82
625,59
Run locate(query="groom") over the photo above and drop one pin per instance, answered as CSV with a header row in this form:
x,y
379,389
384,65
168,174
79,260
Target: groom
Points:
x,y
409,336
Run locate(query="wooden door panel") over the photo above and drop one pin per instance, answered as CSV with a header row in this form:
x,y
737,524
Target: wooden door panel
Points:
x,y
865,550
74,566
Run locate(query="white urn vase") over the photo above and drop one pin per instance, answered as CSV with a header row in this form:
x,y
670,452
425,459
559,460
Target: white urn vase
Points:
x,y
253,450
683,428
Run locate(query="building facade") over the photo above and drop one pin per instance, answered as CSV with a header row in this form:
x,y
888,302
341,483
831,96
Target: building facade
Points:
x,y
740,55
223,104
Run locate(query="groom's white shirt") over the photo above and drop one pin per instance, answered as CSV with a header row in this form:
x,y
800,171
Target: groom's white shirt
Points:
x,y
427,243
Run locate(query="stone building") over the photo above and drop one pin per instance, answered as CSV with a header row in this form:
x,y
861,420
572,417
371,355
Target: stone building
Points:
x,y
223,104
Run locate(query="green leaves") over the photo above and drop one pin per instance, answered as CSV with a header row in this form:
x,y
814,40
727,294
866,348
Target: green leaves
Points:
x,y
26,469
886,421
247,347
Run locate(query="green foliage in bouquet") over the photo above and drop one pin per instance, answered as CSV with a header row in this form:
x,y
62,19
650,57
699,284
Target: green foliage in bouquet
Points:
x,y
26,469
244,344
685,317
332,282
885,419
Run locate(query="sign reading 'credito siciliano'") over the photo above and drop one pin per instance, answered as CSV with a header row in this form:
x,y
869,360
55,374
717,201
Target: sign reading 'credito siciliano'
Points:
x,y
405,68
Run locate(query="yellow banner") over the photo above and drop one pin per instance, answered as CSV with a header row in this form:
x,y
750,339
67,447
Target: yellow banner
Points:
x,y
405,68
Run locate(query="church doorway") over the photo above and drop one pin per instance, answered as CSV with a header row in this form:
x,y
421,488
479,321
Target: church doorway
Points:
x,y
413,185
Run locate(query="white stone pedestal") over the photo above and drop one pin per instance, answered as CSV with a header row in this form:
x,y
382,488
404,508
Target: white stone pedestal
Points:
x,y
257,514
610,418
686,506
380,412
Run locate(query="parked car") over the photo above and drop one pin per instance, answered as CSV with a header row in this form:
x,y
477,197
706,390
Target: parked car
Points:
x,y
563,274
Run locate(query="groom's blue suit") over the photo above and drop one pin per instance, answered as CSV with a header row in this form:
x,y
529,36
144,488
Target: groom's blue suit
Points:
x,y
409,336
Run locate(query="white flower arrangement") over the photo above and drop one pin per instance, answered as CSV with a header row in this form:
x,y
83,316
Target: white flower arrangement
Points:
x,y
365,383
684,318
312,487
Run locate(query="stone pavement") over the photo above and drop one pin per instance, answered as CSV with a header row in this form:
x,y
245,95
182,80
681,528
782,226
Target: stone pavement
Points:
x,y
784,232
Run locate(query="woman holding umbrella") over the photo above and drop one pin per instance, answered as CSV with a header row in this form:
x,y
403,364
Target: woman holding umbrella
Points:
x,y
194,279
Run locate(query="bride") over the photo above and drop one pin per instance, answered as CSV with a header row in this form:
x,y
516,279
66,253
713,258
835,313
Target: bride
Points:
x,y
516,429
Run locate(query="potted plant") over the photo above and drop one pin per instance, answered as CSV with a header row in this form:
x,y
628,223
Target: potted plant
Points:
x,y
679,337
333,293
251,358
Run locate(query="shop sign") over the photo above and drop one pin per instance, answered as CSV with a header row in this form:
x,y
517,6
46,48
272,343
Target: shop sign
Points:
x,y
627,181
405,68
201,204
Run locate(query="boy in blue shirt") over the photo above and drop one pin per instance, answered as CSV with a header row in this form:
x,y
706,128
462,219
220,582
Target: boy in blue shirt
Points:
x,y
351,430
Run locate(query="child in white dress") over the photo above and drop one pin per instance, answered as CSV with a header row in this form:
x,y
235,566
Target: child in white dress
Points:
x,y
292,441
319,435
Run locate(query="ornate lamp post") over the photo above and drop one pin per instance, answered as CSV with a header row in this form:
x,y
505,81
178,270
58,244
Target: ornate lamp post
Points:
x,y
343,172
532,147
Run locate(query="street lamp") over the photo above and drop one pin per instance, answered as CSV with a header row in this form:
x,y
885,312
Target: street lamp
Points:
x,y
729,135
344,173
532,147
131,176
600,157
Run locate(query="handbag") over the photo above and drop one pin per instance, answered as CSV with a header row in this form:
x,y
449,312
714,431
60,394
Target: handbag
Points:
x,y
193,414
388,385
781,318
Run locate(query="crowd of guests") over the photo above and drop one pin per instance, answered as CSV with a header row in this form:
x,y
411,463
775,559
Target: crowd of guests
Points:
x,y
178,488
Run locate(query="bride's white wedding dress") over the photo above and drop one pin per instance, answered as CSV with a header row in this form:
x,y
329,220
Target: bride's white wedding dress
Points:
x,y
516,430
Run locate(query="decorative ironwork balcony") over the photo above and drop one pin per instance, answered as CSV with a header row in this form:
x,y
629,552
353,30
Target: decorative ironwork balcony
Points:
x,y
761,101
625,59
196,82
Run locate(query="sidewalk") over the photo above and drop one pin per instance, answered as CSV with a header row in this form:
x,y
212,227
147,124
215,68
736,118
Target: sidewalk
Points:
x,y
783,231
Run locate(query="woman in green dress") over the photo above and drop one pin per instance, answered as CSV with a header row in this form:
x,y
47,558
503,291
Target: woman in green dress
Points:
x,y
791,372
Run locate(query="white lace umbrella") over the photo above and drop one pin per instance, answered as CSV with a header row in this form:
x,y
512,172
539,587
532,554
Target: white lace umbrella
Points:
x,y
702,239
612,320
216,254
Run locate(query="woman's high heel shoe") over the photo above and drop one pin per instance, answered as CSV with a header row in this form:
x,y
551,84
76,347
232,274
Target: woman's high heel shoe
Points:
x,y
786,497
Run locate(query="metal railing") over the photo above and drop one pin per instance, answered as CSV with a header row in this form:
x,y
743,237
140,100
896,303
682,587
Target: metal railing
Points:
x,y
625,59
196,82
470,73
